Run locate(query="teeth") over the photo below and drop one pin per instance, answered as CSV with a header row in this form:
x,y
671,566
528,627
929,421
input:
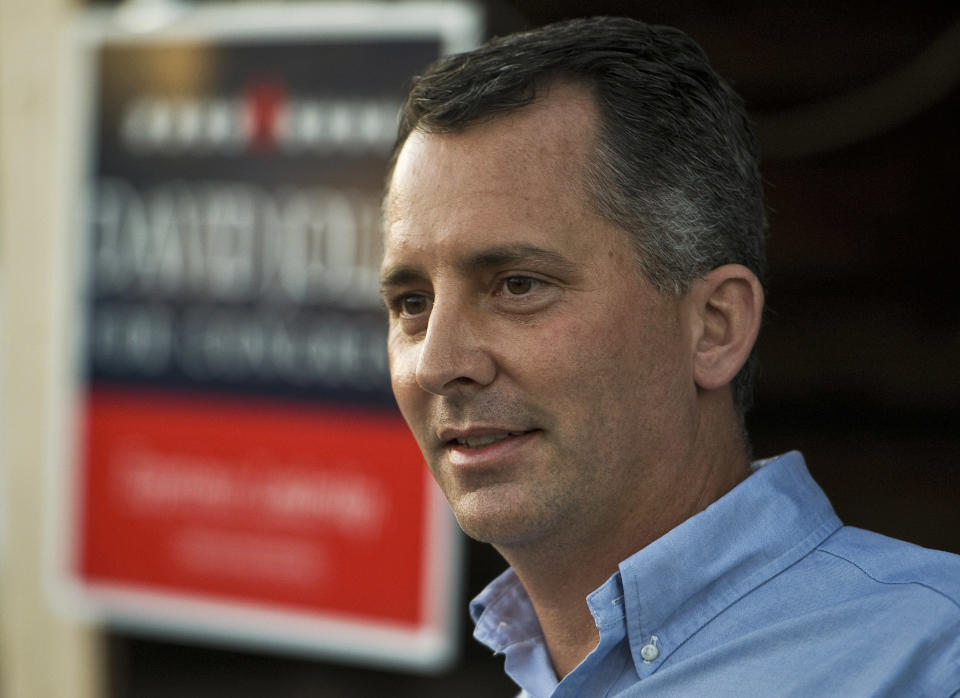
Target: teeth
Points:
x,y
481,441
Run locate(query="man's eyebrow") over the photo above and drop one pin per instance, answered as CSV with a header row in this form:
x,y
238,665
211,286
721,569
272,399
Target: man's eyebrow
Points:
x,y
491,258
400,276
517,254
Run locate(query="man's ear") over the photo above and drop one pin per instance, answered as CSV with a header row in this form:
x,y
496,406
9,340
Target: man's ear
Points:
x,y
728,302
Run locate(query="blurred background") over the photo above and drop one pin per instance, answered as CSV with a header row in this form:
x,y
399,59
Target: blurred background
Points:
x,y
857,106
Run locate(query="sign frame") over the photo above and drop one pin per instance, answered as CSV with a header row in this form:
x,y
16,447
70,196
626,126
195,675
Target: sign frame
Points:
x,y
429,647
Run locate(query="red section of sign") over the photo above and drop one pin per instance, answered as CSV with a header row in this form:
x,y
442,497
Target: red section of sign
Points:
x,y
315,510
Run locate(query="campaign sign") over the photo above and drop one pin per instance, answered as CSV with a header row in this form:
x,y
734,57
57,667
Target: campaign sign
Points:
x,y
241,469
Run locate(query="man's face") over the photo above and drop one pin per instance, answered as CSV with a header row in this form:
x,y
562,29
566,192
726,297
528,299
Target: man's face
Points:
x,y
544,378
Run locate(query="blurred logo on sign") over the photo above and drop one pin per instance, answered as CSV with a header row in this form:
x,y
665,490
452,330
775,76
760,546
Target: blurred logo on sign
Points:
x,y
263,117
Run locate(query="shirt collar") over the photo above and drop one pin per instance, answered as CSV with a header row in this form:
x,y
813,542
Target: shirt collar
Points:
x,y
682,580
507,624
678,583
511,618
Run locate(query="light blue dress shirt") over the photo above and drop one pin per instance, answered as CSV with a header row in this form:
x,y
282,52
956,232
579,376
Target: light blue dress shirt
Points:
x,y
764,593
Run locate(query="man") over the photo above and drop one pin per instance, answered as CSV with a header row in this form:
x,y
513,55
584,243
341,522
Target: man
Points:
x,y
574,248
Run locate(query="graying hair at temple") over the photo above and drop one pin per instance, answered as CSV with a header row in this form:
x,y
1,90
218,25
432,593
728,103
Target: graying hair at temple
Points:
x,y
676,162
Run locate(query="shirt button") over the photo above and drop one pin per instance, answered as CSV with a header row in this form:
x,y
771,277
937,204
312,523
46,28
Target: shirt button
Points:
x,y
649,652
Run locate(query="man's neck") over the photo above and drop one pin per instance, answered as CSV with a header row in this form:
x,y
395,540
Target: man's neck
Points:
x,y
559,574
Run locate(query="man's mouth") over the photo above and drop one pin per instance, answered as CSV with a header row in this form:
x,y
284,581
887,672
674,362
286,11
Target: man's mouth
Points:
x,y
486,439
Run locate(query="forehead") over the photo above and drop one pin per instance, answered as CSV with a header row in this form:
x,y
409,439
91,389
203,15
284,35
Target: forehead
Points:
x,y
515,176
558,126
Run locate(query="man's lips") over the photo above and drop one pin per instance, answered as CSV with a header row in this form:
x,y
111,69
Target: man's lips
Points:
x,y
478,437
486,448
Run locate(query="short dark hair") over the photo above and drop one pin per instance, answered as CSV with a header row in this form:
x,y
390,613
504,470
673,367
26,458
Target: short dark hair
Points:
x,y
676,159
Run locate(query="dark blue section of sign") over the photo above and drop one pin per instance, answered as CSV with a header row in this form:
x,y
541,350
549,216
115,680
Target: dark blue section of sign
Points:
x,y
323,354
234,202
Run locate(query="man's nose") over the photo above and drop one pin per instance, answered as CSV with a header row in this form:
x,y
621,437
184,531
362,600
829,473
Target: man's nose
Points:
x,y
454,353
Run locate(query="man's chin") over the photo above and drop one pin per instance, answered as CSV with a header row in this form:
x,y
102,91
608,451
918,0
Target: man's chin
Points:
x,y
495,517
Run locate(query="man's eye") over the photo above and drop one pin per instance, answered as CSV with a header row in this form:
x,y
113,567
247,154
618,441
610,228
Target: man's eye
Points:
x,y
413,304
519,285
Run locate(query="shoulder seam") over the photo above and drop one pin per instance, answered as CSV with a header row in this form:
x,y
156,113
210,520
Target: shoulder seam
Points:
x,y
953,601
